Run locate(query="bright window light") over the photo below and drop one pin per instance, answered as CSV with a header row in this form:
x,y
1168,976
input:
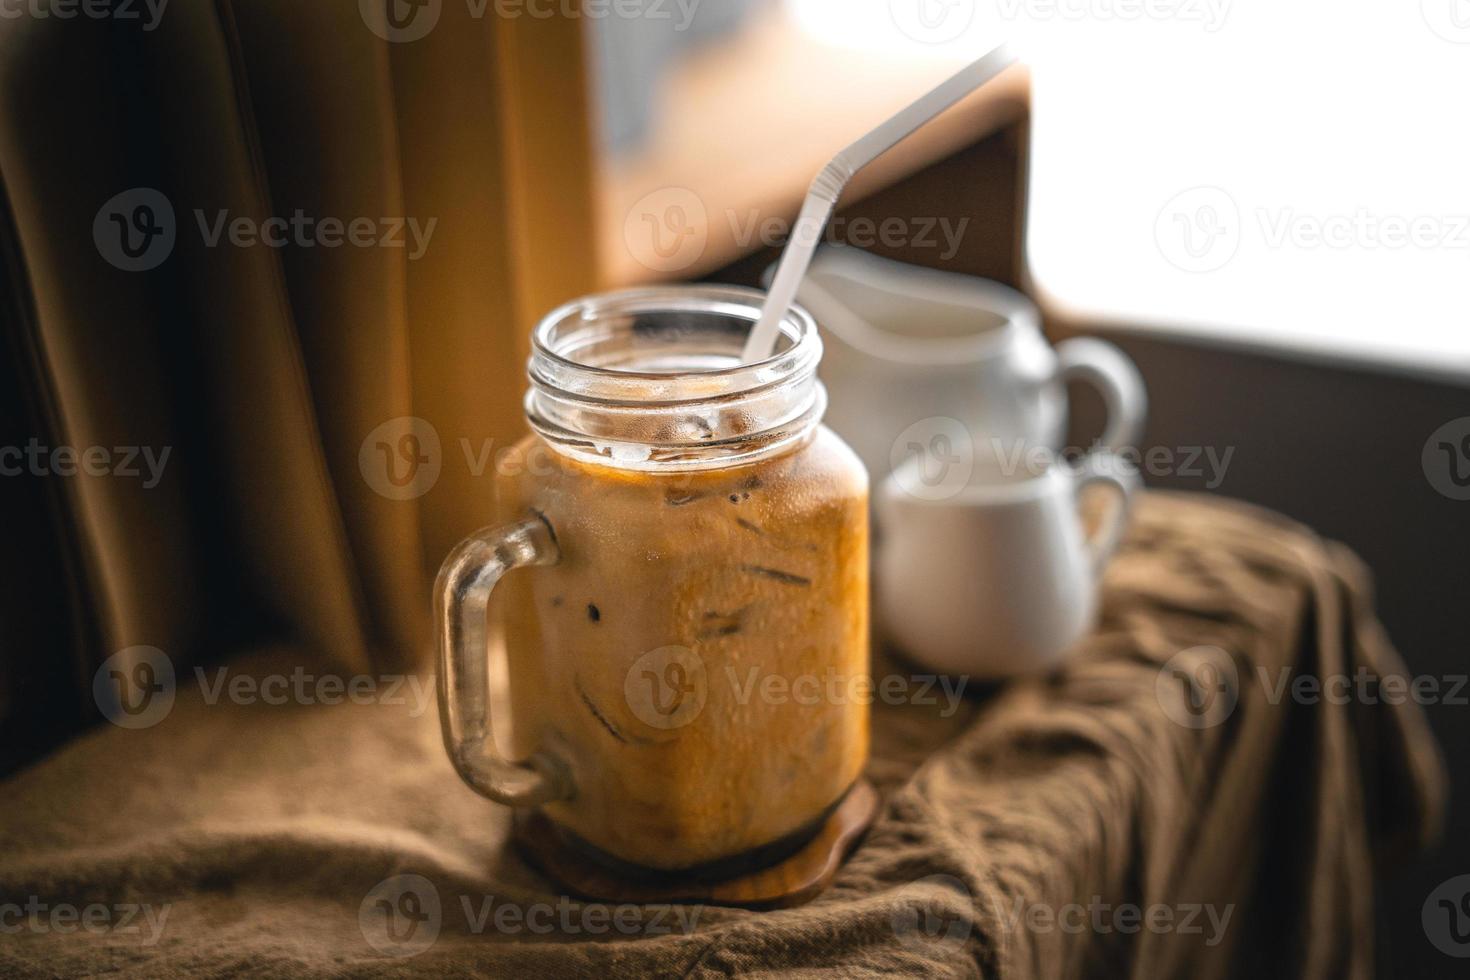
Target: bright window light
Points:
x,y
1291,174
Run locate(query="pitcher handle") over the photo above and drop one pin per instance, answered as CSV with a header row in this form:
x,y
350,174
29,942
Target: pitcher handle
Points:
x,y
461,596
1108,369
1110,470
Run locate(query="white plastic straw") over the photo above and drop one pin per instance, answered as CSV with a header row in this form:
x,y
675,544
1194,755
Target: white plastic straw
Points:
x,y
821,200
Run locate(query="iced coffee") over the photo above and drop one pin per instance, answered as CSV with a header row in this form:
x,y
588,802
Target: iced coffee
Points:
x,y
690,652
682,596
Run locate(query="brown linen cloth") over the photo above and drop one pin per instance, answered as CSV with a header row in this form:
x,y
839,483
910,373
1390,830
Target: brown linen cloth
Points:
x,y
1098,822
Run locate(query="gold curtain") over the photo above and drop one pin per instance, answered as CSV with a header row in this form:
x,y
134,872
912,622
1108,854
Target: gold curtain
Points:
x,y
270,375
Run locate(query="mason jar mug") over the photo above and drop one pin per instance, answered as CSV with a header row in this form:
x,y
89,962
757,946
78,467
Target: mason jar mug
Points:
x,y
678,573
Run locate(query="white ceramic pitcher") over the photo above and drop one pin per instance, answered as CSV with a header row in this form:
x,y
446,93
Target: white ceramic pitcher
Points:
x,y
922,362
1001,579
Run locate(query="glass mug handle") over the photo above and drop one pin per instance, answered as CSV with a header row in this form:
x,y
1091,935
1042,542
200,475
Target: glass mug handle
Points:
x,y
461,597
1108,369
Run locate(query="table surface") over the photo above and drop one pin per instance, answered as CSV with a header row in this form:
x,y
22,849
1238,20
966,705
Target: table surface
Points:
x,y
1146,811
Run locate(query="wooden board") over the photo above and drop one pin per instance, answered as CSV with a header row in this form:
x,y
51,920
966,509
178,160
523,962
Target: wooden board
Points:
x,y
795,881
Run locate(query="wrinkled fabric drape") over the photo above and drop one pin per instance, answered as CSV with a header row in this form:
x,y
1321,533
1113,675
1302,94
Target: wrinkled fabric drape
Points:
x,y
268,375
1115,782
